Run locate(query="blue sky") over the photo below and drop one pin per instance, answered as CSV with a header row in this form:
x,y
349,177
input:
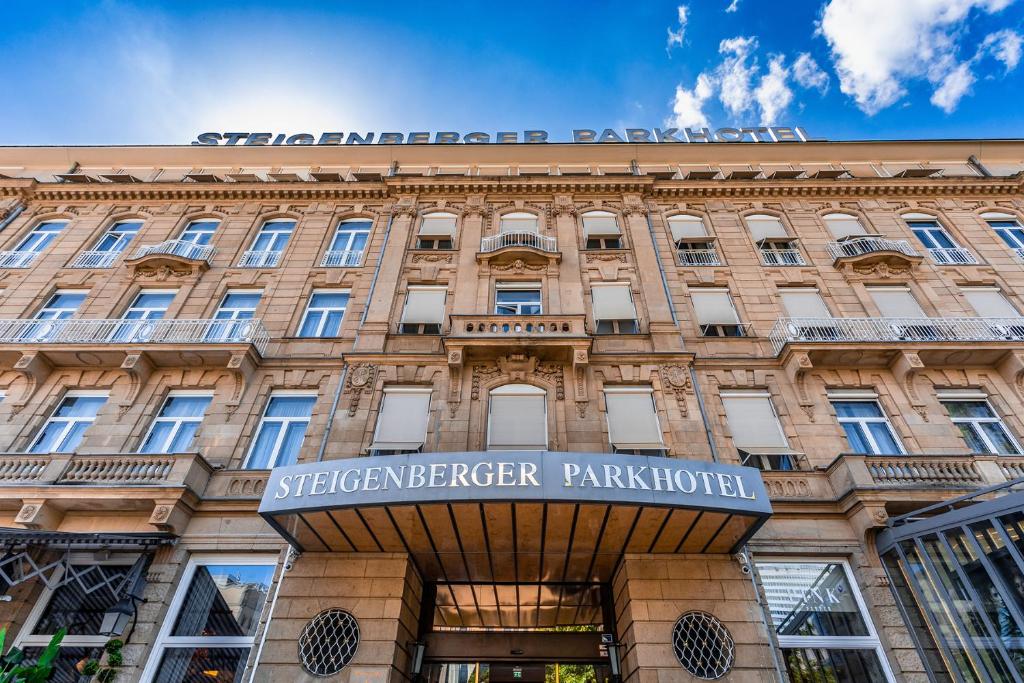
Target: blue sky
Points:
x,y
122,72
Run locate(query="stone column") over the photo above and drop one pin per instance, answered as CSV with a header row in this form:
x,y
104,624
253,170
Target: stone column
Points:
x,y
664,333
379,316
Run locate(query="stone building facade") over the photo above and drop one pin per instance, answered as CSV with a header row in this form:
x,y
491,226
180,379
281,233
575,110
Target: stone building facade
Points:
x,y
841,319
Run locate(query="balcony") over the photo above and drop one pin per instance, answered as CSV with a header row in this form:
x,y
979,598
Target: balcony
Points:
x,y
698,257
952,256
519,238
190,251
17,259
179,258
95,259
342,259
782,257
259,259
546,336
865,246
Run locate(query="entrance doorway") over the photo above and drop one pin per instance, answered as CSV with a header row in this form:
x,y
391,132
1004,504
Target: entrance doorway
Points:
x,y
519,672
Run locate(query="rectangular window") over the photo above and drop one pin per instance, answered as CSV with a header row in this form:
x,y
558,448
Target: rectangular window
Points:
x,y
176,424
517,298
281,431
237,306
424,310
519,222
148,305
868,431
402,420
211,625
939,243
517,419
199,232
116,238
269,244
824,631
633,425
601,230
348,244
844,226
756,430
437,231
896,302
982,430
716,314
63,432
324,313
694,247
40,237
1009,230
62,305
989,302
614,310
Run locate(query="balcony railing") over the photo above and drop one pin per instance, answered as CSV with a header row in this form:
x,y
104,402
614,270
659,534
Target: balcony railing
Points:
x,y
95,259
943,471
698,257
782,257
518,326
180,248
519,238
120,331
342,259
17,259
259,259
844,330
1019,253
952,256
121,469
861,246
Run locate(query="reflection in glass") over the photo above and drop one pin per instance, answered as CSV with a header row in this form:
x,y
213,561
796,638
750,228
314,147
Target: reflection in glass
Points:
x,y
202,664
224,600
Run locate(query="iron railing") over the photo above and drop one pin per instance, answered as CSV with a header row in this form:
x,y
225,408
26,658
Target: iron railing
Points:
x,y
952,256
698,257
518,238
259,259
843,330
1019,253
180,248
860,246
348,258
95,259
782,257
17,259
121,331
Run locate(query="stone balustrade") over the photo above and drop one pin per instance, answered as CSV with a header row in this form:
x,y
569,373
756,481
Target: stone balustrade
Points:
x,y
180,469
542,326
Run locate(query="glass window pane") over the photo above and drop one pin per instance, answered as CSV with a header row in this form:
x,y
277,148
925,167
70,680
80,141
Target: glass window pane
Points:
x,y
206,664
333,325
185,406
291,444
825,665
80,406
999,437
158,435
968,409
811,599
263,449
81,612
46,442
224,600
884,439
73,438
291,406
972,438
992,600
329,300
855,438
311,324
182,441
64,665
857,409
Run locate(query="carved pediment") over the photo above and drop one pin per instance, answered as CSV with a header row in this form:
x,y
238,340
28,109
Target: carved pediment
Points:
x,y
166,266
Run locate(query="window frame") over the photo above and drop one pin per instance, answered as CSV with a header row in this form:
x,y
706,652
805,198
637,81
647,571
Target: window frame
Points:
x,y
602,241
645,389
616,323
514,286
436,242
121,239
182,236
57,292
538,391
234,317
853,397
266,229
352,233
996,418
177,421
324,312
147,309
285,422
23,247
163,640
421,327
69,423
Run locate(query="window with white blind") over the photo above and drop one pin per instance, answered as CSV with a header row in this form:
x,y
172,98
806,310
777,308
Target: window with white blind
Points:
x,y
694,246
716,314
614,310
424,310
517,419
809,317
896,302
601,230
843,226
437,231
687,228
764,227
402,420
777,247
519,222
633,425
756,430
989,302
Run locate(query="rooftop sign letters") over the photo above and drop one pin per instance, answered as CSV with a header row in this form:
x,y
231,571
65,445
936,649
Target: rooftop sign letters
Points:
x,y
579,135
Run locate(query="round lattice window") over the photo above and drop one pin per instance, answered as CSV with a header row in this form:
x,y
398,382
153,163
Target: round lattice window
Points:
x,y
328,642
703,645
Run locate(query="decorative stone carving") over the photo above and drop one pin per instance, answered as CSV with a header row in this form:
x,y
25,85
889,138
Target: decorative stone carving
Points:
x,y
552,372
675,380
481,373
431,258
358,382
564,206
518,266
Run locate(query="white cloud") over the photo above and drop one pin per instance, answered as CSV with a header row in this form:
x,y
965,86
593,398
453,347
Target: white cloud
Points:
x,y
733,6
676,37
688,105
1004,46
773,95
735,74
808,74
879,45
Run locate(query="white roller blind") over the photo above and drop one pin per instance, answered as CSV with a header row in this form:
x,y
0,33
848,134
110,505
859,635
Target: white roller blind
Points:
x,y
600,224
804,303
519,222
989,303
843,225
613,302
997,216
402,421
753,422
424,305
764,227
517,419
684,227
632,418
713,307
438,225
896,303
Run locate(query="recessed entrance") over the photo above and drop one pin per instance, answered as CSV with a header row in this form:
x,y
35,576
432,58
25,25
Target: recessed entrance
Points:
x,y
519,672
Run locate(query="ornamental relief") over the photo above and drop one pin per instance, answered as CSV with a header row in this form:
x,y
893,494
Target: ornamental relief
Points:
x,y
359,381
518,367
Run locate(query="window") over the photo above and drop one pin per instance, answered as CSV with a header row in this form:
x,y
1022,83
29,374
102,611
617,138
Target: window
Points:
x,y
809,317
633,425
175,426
402,420
1009,229
281,431
40,237
867,429
776,246
716,315
113,242
424,310
940,245
348,244
211,624
906,318
437,231
199,232
1002,319
517,419
979,425
148,305
756,431
844,226
517,298
63,432
269,244
601,230
236,307
614,311
62,305
824,630
519,222
324,313
694,247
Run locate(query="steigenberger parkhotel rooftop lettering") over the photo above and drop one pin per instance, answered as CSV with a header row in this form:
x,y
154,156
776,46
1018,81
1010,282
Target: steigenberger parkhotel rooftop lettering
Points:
x,y
579,135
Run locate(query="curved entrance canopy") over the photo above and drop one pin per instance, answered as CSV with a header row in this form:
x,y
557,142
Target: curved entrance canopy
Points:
x,y
516,516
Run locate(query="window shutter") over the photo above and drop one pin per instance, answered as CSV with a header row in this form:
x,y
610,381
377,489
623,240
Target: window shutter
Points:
x,y
438,225
753,422
686,227
764,227
804,303
402,422
613,302
424,305
843,225
519,222
600,224
896,303
632,418
517,419
990,303
713,307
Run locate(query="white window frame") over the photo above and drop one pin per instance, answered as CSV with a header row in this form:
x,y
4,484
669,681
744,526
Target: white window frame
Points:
x,y
165,641
978,397
177,421
123,239
189,235
285,423
519,287
46,306
39,245
870,641
323,312
1004,231
235,311
351,232
68,422
268,229
537,391
148,310
865,397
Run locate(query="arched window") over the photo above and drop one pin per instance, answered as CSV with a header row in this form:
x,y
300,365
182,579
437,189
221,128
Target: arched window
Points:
x,y
777,247
601,230
348,244
1009,229
437,231
940,244
517,419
